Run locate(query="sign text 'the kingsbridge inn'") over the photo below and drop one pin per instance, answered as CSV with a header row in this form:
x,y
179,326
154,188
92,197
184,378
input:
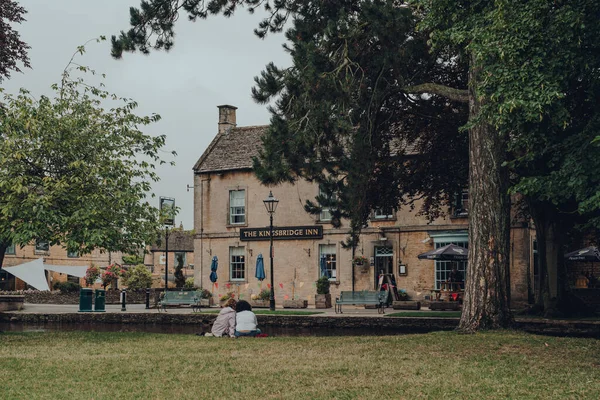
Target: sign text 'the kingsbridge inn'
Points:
x,y
282,233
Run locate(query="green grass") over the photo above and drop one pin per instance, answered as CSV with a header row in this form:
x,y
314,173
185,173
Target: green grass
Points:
x,y
268,312
490,365
431,314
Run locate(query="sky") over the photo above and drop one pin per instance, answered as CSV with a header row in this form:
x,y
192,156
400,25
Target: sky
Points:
x,y
213,62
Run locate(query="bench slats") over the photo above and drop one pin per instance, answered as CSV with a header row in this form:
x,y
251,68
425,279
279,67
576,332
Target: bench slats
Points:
x,y
190,297
363,297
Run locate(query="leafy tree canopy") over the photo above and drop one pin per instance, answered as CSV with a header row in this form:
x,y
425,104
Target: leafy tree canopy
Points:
x,y
75,172
12,49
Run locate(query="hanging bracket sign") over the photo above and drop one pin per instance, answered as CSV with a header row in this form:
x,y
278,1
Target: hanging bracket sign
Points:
x,y
282,233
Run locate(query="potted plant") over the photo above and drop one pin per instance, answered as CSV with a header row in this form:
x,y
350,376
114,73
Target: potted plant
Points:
x,y
323,297
225,297
404,303
261,299
206,298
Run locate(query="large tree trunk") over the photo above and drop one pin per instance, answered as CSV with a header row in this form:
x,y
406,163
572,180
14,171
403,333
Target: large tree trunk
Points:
x,y
486,302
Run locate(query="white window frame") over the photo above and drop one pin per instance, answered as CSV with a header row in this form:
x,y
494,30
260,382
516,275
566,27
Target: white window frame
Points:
x,y
237,263
39,248
11,250
325,214
330,252
378,214
237,207
72,254
443,268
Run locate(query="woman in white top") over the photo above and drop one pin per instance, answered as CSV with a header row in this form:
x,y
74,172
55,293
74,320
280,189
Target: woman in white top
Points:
x,y
245,320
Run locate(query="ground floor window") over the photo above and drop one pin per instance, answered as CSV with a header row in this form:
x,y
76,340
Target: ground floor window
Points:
x,y
328,261
180,259
237,263
443,268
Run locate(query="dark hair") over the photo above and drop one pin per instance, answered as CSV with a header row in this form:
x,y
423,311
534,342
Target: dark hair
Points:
x,y
243,305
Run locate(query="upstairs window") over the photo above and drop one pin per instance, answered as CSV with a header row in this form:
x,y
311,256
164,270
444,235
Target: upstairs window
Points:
x,y
461,203
237,207
42,246
383,213
325,215
10,250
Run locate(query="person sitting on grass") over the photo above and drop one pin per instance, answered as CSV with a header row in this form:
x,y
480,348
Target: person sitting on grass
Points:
x,y
245,320
224,325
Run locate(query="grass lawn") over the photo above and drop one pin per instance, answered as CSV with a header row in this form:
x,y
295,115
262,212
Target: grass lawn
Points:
x,y
268,312
439,365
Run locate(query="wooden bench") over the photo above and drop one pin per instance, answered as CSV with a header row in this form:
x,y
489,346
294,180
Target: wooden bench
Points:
x,y
180,298
363,297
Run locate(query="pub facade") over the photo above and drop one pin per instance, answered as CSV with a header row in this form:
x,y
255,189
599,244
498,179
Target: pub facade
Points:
x,y
231,223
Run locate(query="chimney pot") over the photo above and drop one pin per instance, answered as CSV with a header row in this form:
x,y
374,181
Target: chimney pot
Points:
x,y
226,118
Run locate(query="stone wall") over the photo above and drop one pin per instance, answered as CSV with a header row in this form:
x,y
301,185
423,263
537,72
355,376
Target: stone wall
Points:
x,y
291,323
56,297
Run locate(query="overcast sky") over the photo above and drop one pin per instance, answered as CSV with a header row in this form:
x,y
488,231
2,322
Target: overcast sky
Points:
x,y
213,62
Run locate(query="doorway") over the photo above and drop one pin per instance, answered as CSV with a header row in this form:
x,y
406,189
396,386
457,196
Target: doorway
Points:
x,y
384,256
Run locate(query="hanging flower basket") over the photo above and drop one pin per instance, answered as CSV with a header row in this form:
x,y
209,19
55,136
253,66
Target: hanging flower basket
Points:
x,y
360,261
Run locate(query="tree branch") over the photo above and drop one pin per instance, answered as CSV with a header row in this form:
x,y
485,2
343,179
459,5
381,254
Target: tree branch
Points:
x,y
460,95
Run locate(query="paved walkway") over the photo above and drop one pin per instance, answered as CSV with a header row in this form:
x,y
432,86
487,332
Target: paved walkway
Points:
x,y
349,311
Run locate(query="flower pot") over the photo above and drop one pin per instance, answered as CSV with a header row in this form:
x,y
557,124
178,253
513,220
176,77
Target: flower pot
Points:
x,y
260,303
323,300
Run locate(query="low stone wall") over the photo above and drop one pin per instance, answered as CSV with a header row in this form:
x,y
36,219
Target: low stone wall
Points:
x,y
56,297
11,302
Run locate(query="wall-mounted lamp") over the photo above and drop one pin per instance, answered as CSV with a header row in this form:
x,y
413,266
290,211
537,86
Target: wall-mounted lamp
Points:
x,y
426,240
307,251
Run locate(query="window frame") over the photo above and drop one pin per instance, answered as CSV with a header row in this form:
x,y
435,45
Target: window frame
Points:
x,y
383,217
442,268
231,215
331,257
325,214
45,249
71,254
233,263
11,250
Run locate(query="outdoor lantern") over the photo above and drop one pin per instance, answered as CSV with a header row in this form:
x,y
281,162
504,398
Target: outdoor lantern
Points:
x,y
271,203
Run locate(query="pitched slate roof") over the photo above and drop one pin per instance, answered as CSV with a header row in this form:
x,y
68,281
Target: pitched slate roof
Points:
x,y
232,150
178,241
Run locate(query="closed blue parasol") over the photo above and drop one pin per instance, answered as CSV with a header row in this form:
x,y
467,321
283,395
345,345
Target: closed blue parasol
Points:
x,y
260,268
213,269
324,271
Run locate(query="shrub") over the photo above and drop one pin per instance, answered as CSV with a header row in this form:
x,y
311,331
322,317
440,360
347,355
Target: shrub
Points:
x,y
264,294
323,285
91,275
206,294
189,283
112,273
66,287
402,295
138,277
227,296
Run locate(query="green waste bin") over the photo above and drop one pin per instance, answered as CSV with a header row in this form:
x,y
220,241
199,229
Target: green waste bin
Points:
x,y
100,300
85,300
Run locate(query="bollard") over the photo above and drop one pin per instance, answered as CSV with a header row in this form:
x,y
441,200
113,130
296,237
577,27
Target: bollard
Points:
x,y
147,299
123,300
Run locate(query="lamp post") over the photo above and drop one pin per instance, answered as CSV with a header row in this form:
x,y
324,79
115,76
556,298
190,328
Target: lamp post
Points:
x,y
167,213
271,205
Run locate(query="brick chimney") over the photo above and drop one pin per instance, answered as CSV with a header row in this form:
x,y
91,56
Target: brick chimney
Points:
x,y
226,118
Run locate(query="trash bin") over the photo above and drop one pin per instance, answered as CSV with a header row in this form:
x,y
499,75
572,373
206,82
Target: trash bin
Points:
x,y
100,300
85,300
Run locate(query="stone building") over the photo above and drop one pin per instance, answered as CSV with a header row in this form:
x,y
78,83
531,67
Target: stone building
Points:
x,y
181,251
230,221
55,255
